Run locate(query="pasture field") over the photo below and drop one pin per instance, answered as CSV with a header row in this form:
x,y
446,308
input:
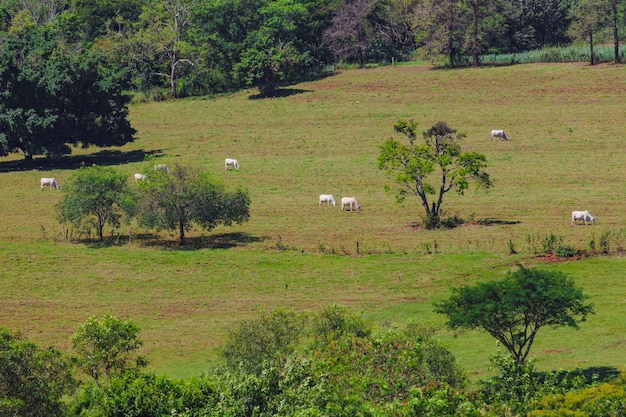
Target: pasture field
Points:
x,y
567,151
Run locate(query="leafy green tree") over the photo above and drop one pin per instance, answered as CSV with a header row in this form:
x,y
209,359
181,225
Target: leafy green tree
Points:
x,y
53,94
273,52
32,381
96,196
411,165
187,196
334,322
106,347
387,365
265,338
514,309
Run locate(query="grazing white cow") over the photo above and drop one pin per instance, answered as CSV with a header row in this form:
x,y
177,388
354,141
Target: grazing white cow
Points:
x,y
140,177
229,162
51,182
162,167
582,215
328,199
498,134
350,202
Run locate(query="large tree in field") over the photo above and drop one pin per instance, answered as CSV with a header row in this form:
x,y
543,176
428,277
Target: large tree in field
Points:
x,y
96,196
439,155
187,196
514,309
53,95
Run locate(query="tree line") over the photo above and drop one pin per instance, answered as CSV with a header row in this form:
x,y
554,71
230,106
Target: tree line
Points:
x,y
195,47
69,69
346,367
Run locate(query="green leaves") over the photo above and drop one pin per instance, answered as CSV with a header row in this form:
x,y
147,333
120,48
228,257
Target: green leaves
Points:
x,y
514,309
104,346
411,166
95,196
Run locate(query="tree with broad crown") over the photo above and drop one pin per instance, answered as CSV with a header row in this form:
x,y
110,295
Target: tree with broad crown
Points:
x,y
95,196
186,196
514,309
53,94
104,347
411,165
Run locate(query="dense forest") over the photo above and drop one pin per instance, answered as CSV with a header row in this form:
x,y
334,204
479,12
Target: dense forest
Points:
x,y
176,48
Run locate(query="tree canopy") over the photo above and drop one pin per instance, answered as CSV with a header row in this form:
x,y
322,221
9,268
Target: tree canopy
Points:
x,y
187,196
514,309
54,94
32,380
96,196
440,156
107,347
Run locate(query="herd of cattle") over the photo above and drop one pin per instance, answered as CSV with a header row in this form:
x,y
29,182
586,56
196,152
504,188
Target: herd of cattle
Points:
x,y
350,203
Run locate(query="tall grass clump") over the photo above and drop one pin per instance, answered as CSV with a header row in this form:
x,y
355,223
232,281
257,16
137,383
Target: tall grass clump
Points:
x,y
578,53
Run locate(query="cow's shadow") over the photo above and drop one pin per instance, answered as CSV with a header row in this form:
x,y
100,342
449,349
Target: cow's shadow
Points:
x,y
71,162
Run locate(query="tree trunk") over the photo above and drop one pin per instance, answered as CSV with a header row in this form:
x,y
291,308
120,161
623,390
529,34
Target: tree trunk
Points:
x,y
181,230
591,47
475,47
615,31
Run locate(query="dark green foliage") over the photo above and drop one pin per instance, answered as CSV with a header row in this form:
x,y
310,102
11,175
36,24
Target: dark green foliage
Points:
x,y
271,336
32,381
186,196
514,309
133,394
106,347
410,166
96,196
54,94
518,385
335,322
385,366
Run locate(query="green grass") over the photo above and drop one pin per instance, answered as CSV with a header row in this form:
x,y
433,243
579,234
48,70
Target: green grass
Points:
x,y
566,152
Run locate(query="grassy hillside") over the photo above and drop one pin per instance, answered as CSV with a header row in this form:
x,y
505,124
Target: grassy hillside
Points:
x,y
566,152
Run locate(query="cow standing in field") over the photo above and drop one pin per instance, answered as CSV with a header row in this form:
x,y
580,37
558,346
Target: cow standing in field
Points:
x,y
229,162
585,216
498,134
328,199
350,202
51,182
140,177
162,167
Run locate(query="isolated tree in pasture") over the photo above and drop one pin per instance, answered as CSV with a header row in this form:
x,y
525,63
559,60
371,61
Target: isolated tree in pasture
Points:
x,y
96,196
107,346
588,16
32,380
187,196
265,338
440,156
514,309
53,95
